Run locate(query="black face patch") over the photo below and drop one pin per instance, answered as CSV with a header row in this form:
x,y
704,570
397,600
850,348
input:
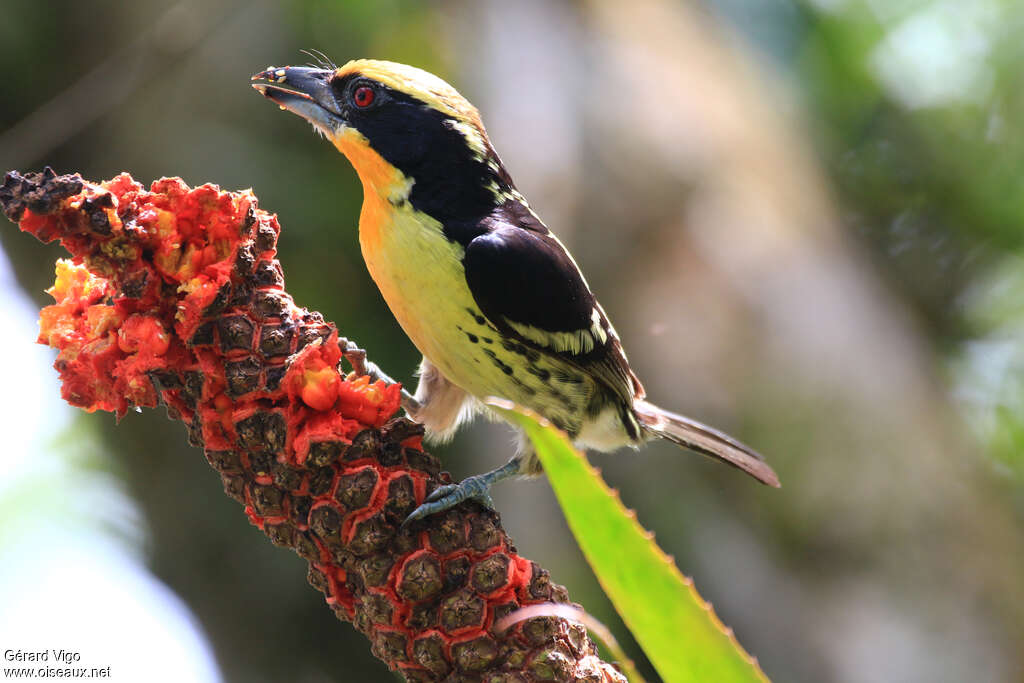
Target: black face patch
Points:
x,y
449,183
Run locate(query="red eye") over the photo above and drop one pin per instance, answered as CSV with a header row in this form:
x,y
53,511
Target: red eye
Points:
x,y
363,96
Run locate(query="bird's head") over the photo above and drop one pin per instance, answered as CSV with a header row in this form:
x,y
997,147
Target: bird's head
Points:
x,y
409,134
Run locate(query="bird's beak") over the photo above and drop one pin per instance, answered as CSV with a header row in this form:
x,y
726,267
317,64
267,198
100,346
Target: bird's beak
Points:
x,y
303,91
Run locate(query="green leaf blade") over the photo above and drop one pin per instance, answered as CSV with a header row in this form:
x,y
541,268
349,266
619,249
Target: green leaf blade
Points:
x,y
676,628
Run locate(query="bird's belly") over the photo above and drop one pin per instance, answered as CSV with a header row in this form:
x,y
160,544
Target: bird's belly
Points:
x,y
420,274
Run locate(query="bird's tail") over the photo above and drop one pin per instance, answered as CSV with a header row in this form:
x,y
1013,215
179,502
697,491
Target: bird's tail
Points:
x,y
704,440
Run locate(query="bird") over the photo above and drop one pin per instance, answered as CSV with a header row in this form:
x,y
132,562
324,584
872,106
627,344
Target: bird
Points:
x,y
484,290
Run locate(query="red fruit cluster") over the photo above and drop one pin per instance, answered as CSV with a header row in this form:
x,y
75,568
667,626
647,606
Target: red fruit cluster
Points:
x,y
174,296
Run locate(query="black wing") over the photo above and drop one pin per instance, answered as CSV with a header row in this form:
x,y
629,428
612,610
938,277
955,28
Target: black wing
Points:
x,y
527,285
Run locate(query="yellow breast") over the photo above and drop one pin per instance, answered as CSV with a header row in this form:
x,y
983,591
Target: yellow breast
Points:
x,y
418,271
420,275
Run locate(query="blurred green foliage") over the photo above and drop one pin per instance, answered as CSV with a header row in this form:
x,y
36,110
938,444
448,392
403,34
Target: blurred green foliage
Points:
x,y
934,182
916,111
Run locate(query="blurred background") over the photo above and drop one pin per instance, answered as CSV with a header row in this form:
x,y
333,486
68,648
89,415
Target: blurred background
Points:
x,y
806,218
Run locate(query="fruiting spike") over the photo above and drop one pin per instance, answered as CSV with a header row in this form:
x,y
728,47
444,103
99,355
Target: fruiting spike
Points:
x,y
174,296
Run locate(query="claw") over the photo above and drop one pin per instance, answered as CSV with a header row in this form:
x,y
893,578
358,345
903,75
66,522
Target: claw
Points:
x,y
356,357
445,497
477,487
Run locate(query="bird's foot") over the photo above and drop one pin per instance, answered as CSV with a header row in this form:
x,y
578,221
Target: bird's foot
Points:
x,y
356,357
477,487
448,496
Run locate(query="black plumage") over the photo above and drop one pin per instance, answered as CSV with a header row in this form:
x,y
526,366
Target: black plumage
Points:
x,y
528,278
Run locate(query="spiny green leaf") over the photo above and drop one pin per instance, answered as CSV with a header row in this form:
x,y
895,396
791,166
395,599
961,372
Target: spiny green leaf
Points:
x,y
676,628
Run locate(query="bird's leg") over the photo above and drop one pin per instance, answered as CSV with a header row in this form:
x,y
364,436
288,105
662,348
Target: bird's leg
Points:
x,y
357,357
477,487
